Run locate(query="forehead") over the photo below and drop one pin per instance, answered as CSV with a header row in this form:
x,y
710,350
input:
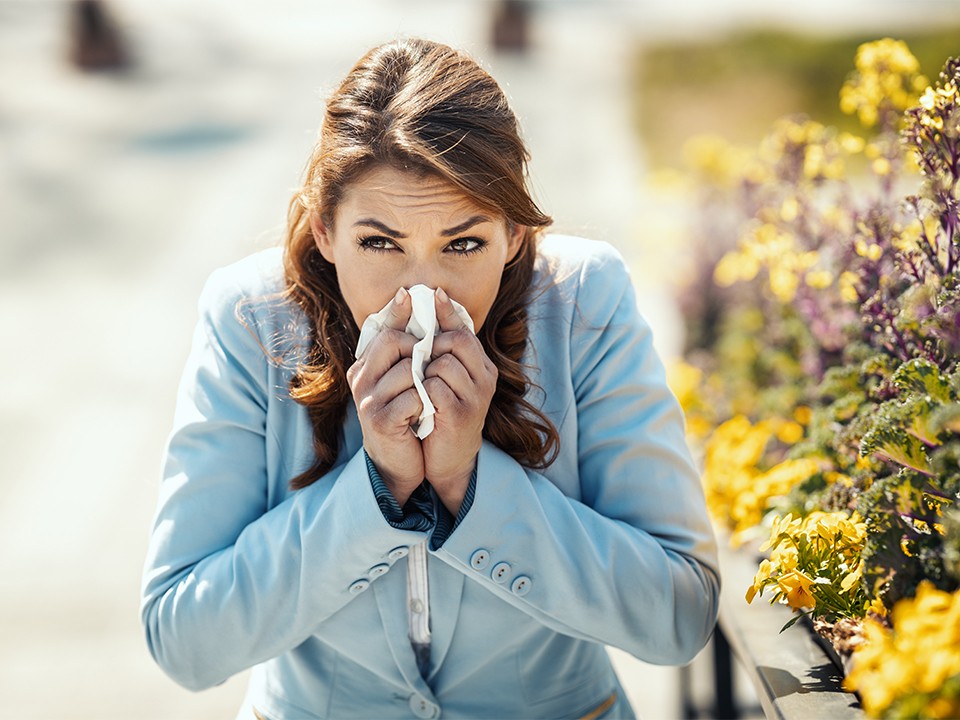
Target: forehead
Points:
x,y
403,194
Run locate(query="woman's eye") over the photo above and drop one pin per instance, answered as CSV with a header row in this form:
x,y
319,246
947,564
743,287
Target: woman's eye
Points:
x,y
465,246
376,243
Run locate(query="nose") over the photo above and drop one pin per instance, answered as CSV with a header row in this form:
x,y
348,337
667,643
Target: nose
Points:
x,y
422,273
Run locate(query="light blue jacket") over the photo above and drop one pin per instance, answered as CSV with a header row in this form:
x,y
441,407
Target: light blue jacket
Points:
x,y
609,545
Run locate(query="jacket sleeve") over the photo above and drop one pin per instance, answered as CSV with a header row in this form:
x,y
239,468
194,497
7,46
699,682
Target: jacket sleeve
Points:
x,y
632,563
229,581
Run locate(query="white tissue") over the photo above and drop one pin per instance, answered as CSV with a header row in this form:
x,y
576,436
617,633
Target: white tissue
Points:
x,y
422,325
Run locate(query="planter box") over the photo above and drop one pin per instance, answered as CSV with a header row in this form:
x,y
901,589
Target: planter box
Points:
x,y
792,673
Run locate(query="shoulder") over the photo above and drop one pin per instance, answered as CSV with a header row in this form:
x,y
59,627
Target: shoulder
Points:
x,y
573,261
254,277
585,272
244,305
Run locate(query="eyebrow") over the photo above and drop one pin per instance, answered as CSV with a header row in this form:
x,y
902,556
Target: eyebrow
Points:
x,y
377,225
475,220
449,232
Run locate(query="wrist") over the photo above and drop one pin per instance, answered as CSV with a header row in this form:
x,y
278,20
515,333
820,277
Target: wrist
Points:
x,y
400,488
452,488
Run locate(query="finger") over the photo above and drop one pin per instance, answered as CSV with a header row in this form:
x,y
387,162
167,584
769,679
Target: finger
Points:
x,y
385,350
449,369
401,412
399,313
444,399
466,347
447,318
395,381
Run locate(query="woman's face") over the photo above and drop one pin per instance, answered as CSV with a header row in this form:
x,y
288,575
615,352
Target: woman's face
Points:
x,y
396,229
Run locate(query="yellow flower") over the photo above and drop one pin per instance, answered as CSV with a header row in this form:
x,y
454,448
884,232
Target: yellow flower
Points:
x,y
785,558
851,143
853,578
941,707
698,427
783,284
803,414
734,267
813,161
876,606
731,457
819,279
684,380
782,478
886,80
796,587
766,568
713,156
914,658
789,209
789,433
848,287
870,251
778,526
881,166
940,665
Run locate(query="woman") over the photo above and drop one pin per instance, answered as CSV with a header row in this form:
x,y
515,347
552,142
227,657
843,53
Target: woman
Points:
x,y
304,530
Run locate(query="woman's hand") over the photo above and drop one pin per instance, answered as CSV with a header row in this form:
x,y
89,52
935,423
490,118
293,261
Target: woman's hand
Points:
x,y
460,381
387,402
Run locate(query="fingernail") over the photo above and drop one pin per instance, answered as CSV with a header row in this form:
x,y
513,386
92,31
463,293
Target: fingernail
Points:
x,y
400,296
441,295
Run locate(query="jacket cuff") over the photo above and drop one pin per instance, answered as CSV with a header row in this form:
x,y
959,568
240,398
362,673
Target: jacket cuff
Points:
x,y
416,514
446,523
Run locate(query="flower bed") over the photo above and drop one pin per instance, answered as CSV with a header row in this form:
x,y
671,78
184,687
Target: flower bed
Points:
x,y
822,377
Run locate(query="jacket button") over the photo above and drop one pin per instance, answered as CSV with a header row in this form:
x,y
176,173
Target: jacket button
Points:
x,y
398,552
378,570
359,586
423,708
480,559
521,585
501,572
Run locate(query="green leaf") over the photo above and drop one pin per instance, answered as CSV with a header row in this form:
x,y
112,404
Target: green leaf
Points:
x,y
896,445
793,621
921,419
947,418
923,377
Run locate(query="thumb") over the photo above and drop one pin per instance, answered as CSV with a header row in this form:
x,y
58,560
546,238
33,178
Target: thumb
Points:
x,y
447,318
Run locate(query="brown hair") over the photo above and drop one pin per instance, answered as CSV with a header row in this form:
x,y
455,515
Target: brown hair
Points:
x,y
418,106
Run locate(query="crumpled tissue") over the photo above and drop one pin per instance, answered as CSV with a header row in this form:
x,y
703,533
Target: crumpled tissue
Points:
x,y
423,326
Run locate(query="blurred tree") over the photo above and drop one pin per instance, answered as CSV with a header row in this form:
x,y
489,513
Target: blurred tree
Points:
x,y
511,25
95,41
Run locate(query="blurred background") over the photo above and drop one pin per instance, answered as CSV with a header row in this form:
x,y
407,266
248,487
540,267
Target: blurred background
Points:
x,y
144,144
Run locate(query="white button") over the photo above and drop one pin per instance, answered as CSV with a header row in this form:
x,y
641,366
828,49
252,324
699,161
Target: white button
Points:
x,y
416,605
378,570
398,552
423,708
521,585
480,559
359,586
501,572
